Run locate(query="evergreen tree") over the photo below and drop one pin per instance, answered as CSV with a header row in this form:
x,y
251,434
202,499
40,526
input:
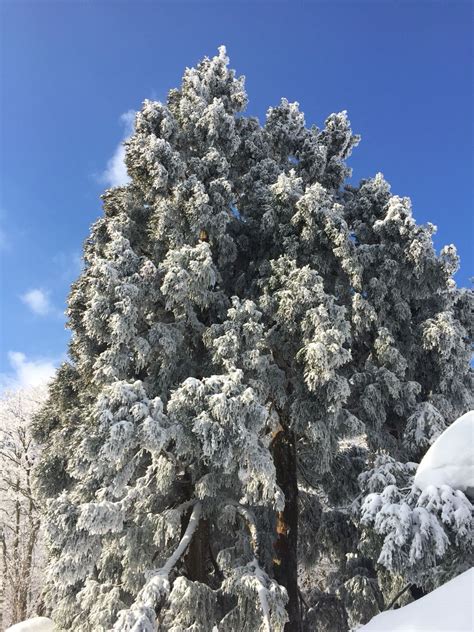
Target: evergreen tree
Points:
x,y
247,335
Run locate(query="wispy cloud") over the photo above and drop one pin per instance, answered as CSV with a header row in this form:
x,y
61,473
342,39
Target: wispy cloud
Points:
x,y
115,174
26,371
38,301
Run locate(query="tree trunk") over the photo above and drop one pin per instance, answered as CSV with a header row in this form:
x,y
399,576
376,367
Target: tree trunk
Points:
x,y
25,587
32,528
197,556
285,562
2,598
4,577
16,556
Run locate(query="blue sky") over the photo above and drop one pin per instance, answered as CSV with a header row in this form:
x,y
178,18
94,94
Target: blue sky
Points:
x,y
70,71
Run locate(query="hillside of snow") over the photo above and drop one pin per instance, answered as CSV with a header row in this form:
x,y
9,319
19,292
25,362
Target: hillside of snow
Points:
x,y
449,608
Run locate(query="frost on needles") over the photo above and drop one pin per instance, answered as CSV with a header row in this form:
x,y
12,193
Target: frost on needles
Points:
x,y
251,340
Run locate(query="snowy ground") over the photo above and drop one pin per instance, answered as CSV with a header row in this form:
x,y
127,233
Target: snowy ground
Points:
x,y
37,624
449,608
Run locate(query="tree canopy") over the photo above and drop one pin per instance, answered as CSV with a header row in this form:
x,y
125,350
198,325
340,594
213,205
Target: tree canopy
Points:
x,y
256,346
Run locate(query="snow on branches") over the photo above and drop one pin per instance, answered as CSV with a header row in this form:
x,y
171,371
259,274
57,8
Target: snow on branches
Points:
x,y
248,334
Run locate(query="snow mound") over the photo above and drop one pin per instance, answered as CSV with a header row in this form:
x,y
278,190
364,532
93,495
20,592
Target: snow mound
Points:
x,y
450,460
37,624
449,608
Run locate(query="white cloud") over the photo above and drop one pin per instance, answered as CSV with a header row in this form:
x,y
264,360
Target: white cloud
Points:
x,y
115,174
26,372
38,301
128,120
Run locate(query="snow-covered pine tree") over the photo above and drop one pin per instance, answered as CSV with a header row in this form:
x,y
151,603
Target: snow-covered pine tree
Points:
x,y
247,334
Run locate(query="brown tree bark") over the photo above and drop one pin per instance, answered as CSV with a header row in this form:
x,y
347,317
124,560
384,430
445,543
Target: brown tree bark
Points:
x,y
285,562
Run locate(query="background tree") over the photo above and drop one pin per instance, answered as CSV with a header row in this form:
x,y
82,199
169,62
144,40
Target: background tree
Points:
x,y
247,335
22,552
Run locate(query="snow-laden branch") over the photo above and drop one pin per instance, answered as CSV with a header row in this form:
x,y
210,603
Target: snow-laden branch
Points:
x,y
258,573
262,594
185,540
158,584
249,518
157,588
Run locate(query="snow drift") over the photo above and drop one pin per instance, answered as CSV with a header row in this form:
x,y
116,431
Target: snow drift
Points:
x,y
449,608
450,460
37,624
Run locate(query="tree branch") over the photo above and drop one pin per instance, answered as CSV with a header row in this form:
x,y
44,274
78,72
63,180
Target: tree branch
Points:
x,y
157,588
185,540
262,595
397,597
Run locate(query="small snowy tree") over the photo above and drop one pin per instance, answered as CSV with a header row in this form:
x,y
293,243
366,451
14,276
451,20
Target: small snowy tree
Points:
x,y
22,551
425,536
246,334
422,527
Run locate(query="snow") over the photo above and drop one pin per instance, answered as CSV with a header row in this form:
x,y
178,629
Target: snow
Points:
x,y
37,624
450,460
449,608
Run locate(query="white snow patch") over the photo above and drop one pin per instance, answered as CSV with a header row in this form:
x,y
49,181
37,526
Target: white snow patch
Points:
x,y
450,460
37,624
449,608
